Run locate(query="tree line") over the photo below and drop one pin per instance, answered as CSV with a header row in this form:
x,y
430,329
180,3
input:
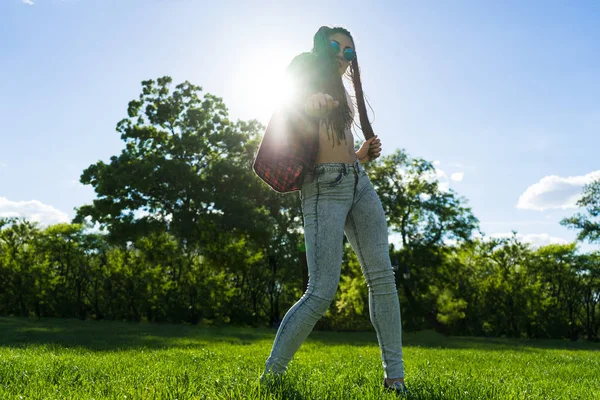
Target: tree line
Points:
x,y
181,230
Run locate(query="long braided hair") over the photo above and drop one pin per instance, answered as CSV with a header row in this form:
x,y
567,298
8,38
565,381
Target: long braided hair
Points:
x,y
331,82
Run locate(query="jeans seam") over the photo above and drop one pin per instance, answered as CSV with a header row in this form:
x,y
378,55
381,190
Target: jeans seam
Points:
x,y
307,295
310,290
316,238
371,295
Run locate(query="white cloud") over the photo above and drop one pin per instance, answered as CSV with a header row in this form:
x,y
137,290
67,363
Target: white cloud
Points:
x,y
32,210
535,239
2,165
457,176
29,2
439,174
442,177
555,192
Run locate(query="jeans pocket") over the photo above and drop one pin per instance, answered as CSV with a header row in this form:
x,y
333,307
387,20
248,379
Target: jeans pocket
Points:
x,y
330,179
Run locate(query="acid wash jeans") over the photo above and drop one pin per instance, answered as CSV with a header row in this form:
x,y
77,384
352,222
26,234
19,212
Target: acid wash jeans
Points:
x,y
339,198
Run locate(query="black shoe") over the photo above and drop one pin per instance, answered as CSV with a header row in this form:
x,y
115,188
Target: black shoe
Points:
x,y
398,387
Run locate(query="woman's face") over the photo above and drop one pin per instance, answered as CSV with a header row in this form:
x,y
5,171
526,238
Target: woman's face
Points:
x,y
345,42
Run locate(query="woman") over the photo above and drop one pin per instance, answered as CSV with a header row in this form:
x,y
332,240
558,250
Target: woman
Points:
x,y
337,197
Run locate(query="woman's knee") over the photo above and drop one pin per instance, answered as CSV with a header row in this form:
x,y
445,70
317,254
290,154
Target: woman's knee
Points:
x,y
323,291
381,277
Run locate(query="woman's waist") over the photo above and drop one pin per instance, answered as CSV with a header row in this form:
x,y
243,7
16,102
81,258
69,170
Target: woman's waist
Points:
x,y
337,166
337,154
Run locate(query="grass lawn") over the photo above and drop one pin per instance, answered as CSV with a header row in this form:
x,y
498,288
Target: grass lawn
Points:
x,y
71,359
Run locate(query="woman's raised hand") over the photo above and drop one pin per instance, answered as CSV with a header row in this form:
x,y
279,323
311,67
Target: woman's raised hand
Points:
x,y
320,104
369,150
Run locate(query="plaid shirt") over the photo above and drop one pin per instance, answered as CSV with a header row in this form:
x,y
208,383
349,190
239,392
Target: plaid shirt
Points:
x,y
290,144
288,149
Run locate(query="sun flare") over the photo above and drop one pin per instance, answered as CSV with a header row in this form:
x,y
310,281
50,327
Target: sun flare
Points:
x,y
264,86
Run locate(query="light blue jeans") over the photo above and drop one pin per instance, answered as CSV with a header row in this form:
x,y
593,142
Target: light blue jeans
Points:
x,y
339,198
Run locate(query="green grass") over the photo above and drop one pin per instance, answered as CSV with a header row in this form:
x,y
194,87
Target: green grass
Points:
x,y
70,359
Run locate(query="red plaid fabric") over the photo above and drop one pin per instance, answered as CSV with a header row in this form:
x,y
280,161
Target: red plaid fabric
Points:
x,y
288,149
290,143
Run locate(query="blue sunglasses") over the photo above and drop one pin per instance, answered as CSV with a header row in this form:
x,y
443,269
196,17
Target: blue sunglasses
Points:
x,y
349,53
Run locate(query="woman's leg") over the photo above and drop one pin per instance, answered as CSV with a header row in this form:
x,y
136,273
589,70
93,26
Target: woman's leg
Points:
x,y
325,205
366,229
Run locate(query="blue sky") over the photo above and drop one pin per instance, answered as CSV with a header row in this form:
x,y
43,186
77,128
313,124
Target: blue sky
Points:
x,y
502,95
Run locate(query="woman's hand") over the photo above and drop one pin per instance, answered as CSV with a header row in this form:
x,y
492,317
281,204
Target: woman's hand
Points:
x,y
319,105
369,150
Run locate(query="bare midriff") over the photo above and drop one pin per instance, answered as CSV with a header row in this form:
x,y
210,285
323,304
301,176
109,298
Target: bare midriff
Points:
x,y
332,151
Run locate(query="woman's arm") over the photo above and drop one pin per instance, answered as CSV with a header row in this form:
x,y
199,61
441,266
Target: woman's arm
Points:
x,y
306,103
301,81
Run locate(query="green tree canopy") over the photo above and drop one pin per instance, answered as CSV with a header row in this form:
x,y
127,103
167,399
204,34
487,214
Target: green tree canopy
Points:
x,y
588,224
174,173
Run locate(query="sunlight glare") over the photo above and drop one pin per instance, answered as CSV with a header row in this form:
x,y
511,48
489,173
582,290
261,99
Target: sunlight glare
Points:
x,y
263,86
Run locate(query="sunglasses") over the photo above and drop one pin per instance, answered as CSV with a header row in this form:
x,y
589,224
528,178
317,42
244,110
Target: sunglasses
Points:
x,y
349,53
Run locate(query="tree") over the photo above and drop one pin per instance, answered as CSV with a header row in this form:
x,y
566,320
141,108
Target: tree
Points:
x,y
415,206
589,229
589,271
64,248
22,280
426,217
561,272
169,177
186,172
